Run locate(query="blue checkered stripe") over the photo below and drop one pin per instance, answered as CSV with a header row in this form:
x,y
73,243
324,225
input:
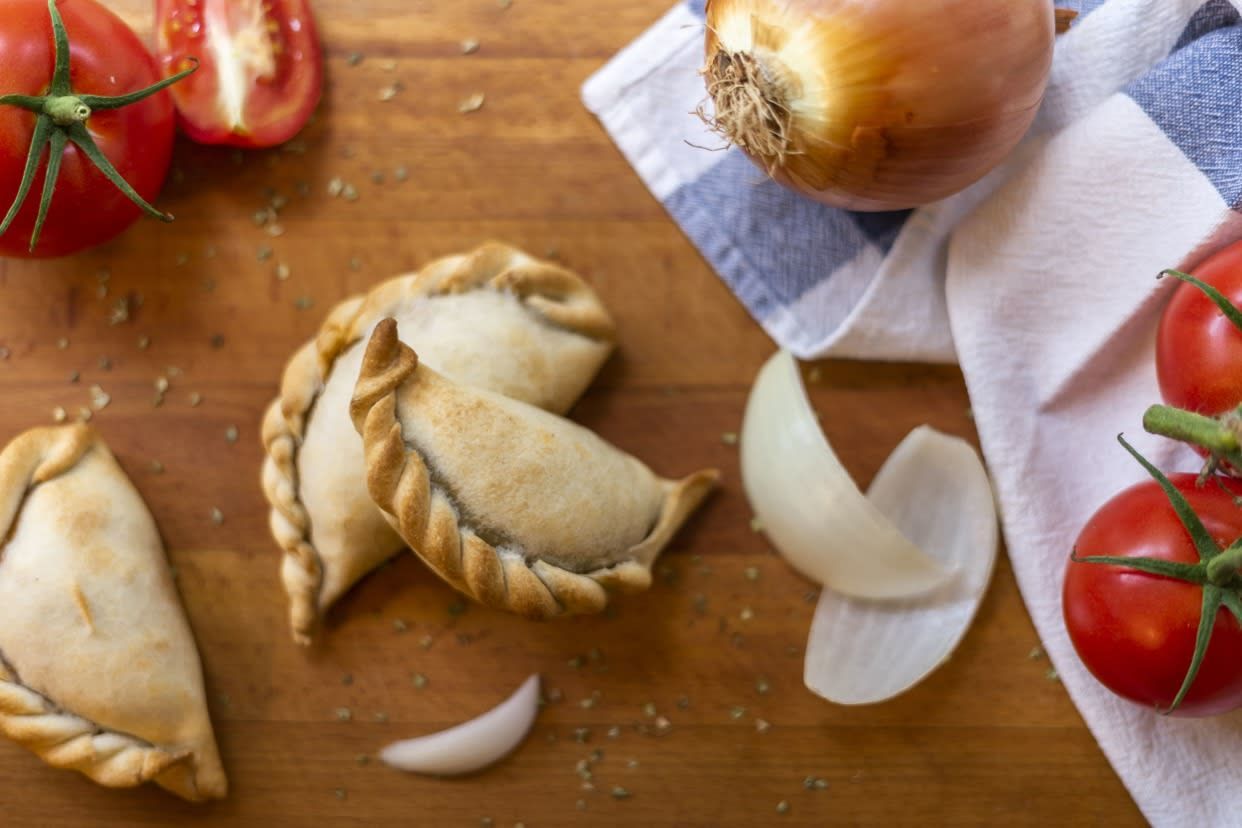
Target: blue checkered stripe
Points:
x,y
771,246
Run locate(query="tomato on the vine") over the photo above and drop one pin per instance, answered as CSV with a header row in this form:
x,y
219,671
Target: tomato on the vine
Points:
x,y
1136,630
105,122
262,69
1198,348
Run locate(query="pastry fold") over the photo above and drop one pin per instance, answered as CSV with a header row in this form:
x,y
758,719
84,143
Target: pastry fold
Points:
x,y
516,507
99,671
495,318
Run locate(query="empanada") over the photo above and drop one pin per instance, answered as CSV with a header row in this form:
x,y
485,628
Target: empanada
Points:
x,y
519,508
495,318
99,671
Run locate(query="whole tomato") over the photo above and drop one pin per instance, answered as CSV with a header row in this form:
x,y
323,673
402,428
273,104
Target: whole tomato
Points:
x,y
107,59
1198,349
1135,631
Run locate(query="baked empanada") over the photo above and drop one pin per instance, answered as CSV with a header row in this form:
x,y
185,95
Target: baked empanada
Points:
x,y
518,508
495,318
99,671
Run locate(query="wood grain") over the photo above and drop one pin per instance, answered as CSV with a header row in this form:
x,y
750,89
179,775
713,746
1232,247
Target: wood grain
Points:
x,y
988,739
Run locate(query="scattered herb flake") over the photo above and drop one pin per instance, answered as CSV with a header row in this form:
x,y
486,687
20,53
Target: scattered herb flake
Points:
x,y
387,94
275,230
420,681
683,702
381,716
344,714
230,434
157,467
815,374
341,793
264,252
736,712
582,735
59,415
303,303
1052,675
751,573
282,271
354,58
581,805
362,759
99,398
426,641
401,173
377,177
649,710
662,725
614,732
575,663
105,363
756,525
1036,653
782,807
62,343
469,46
400,625
729,438
196,399
762,725
471,104
619,792
335,187
555,694
746,614
761,686
217,517
349,192
74,376
144,342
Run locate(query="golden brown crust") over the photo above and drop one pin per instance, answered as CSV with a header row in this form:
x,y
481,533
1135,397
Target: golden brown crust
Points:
x,y
59,737
554,293
400,483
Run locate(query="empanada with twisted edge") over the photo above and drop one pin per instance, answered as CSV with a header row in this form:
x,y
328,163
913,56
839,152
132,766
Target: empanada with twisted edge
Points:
x,y
99,672
518,508
495,318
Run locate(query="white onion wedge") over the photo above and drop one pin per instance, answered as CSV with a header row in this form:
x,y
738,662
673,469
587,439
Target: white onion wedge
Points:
x,y
472,745
810,507
935,490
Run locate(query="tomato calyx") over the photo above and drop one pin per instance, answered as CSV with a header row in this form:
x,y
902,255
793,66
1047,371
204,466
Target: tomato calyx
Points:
x,y
60,118
1217,572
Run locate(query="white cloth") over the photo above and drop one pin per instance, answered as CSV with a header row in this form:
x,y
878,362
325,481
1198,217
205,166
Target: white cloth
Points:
x,y
1040,281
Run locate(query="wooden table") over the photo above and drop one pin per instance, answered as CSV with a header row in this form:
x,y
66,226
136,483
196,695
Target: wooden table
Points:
x,y
988,739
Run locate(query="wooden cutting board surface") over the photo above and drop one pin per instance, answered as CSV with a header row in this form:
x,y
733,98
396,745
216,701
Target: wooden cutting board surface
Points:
x,y
988,739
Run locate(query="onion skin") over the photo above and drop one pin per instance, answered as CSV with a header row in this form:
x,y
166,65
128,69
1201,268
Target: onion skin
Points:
x,y
879,104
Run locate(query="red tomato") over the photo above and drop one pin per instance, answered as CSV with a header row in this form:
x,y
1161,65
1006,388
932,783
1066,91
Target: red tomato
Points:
x,y
261,69
1136,631
1198,350
106,59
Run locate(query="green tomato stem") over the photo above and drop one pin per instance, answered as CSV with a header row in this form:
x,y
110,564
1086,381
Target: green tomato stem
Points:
x,y
66,110
1217,435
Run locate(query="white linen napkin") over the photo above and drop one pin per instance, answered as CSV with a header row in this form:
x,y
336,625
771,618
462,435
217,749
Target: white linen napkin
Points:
x,y
1040,281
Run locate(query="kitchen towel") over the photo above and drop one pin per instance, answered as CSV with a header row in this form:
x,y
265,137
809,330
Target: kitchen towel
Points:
x,y
1039,280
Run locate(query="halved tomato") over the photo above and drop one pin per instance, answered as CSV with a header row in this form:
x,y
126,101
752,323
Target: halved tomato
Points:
x,y
261,70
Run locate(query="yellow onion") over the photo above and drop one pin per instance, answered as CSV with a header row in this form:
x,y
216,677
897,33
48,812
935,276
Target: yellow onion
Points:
x,y
876,104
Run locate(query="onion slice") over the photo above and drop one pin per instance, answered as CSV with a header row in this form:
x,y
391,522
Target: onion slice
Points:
x,y
472,745
810,507
935,490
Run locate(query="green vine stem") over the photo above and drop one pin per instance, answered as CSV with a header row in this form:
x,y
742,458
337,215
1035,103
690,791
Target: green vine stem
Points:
x,y
61,118
1219,436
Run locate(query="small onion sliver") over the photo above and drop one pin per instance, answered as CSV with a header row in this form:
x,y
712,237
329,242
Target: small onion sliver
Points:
x,y
810,507
935,490
472,745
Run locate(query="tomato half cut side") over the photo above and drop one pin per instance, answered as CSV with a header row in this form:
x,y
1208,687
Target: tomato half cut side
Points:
x,y
261,69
